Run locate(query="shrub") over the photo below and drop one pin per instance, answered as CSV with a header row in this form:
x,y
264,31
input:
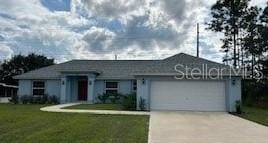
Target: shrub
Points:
x,y
35,99
142,104
38,99
53,99
129,101
43,99
114,97
103,97
238,107
14,99
25,99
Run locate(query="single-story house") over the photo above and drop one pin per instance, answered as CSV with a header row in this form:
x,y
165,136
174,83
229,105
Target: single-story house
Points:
x,y
7,91
164,84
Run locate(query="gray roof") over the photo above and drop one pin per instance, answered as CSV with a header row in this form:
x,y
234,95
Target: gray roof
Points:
x,y
121,69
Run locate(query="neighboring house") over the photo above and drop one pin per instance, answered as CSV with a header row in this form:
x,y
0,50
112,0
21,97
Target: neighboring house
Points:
x,y
7,91
153,80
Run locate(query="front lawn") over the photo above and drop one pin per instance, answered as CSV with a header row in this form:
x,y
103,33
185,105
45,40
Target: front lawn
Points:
x,y
255,114
96,106
27,124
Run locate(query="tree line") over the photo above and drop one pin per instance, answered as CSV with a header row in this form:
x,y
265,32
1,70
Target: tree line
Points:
x,y
20,64
245,43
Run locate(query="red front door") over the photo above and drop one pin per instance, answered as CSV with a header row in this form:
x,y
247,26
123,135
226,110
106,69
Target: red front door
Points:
x,y
82,90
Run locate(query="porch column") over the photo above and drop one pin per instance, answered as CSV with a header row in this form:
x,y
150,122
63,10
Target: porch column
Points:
x,y
63,90
90,93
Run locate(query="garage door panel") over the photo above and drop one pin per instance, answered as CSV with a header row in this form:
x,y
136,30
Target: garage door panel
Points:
x,y
188,95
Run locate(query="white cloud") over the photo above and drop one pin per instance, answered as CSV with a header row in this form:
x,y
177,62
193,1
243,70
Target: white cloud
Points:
x,y
96,29
98,40
112,8
5,52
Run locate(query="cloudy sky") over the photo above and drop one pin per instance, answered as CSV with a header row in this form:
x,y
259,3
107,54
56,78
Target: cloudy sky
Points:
x,y
99,29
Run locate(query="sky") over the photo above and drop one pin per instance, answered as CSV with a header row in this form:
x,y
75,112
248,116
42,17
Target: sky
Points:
x,y
99,29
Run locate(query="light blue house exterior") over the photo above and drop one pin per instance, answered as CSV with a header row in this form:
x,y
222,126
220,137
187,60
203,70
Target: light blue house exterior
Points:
x,y
85,80
69,92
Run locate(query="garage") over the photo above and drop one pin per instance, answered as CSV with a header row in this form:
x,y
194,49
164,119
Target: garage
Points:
x,y
188,95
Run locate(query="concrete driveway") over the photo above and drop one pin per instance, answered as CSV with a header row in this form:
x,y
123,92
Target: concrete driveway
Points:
x,y
204,127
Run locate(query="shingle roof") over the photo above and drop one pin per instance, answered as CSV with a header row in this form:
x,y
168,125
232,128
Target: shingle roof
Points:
x,y
120,69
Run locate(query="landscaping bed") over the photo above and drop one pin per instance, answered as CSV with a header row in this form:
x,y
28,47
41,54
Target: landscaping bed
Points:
x,y
26,123
97,106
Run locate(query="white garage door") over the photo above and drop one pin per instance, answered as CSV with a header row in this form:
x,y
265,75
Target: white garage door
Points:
x,y
188,95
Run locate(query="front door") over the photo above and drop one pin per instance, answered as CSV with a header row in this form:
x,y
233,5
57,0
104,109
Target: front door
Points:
x,y
82,90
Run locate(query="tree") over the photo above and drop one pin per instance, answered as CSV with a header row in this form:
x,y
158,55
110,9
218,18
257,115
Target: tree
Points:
x,y
20,64
228,18
251,40
246,27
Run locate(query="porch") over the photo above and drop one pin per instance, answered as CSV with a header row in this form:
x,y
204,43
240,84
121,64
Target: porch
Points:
x,y
77,88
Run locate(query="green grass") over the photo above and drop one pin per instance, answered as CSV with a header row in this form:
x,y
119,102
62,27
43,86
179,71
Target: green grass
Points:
x,y
97,106
27,124
258,115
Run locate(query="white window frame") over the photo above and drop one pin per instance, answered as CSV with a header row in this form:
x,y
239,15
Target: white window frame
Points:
x,y
117,89
33,88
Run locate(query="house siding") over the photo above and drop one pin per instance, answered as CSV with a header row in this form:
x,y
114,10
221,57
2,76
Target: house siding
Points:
x,y
124,87
25,87
53,87
99,89
143,91
233,93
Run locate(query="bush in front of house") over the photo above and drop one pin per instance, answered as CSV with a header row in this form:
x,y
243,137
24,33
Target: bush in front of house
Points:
x,y
238,107
46,99
14,99
129,101
38,99
103,97
53,100
25,99
115,97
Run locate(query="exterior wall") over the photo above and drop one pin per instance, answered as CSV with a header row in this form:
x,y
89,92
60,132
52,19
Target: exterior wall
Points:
x,y
99,89
91,86
125,87
68,92
69,89
25,87
233,87
63,90
53,87
143,91
74,89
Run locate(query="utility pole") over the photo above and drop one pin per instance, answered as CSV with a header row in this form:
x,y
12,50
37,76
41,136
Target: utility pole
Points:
x,y
115,53
197,41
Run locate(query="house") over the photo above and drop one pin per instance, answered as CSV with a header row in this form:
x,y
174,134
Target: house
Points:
x,y
6,92
163,84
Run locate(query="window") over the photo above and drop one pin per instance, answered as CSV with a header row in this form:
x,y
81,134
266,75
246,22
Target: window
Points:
x,y
111,87
38,88
134,85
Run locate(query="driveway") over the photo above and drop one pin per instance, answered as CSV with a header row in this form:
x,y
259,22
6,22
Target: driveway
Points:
x,y
204,127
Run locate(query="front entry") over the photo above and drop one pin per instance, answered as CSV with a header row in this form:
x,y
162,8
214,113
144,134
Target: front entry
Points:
x,y
82,90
